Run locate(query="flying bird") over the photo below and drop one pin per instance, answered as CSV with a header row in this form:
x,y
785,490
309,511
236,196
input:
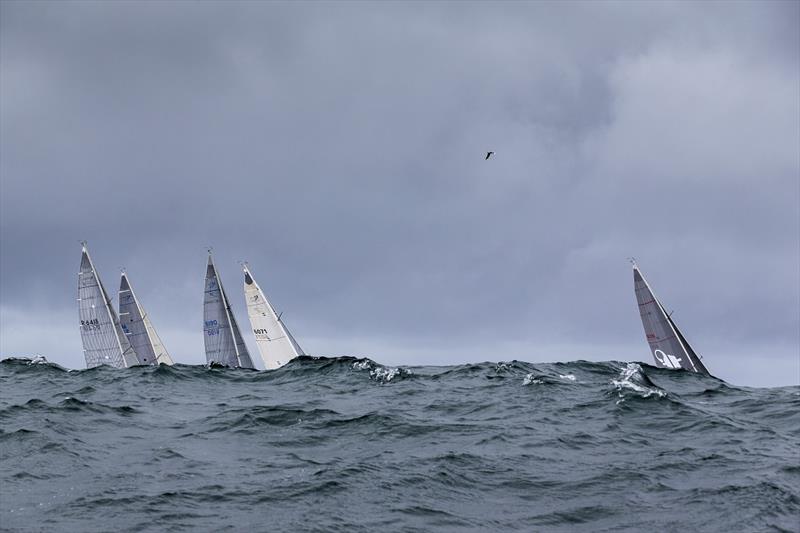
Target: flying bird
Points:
x,y
488,155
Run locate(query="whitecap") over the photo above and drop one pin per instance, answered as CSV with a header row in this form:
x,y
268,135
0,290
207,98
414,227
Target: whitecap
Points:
x,y
384,374
631,378
361,365
529,379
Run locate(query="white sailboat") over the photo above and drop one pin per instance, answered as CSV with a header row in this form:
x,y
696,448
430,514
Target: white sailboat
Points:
x,y
138,328
104,342
223,340
275,344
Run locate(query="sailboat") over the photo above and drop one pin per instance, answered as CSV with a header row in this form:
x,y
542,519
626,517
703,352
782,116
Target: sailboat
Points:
x,y
275,343
138,328
669,347
223,341
104,342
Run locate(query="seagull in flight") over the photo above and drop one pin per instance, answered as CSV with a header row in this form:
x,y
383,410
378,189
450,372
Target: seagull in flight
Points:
x,y
488,155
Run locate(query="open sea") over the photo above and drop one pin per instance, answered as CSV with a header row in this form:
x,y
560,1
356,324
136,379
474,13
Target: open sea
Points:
x,y
345,444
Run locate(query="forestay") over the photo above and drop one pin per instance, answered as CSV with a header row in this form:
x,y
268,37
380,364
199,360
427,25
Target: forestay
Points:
x,y
223,341
137,327
668,346
275,344
104,343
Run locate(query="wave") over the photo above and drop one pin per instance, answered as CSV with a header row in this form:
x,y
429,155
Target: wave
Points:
x,y
349,444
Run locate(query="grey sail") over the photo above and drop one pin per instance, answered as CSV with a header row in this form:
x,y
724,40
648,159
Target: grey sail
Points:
x,y
104,342
223,340
668,346
137,327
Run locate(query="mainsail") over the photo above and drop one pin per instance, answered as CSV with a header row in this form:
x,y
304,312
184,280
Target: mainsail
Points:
x,y
275,343
104,342
669,347
223,341
138,328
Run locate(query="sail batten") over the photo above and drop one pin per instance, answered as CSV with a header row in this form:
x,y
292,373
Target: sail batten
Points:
x,y
275,343
137,326
668,346
104,342
224,343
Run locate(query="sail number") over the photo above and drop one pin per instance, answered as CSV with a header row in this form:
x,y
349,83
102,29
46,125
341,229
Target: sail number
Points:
x,y
261,334
91,324
211,327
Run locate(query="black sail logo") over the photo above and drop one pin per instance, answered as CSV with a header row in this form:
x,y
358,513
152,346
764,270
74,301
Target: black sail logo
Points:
x,y
261,333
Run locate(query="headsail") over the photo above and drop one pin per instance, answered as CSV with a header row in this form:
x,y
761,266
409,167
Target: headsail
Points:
x,y
669,347
104,342
275,343
138,328
223,341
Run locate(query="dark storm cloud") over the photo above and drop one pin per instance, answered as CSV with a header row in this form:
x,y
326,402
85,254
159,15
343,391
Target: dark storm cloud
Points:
x,y
339,148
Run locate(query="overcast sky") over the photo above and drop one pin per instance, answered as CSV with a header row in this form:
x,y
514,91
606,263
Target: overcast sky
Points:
x,y
339,148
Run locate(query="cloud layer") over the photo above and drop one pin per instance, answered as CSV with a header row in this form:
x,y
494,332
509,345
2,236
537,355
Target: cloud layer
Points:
x,y
339,148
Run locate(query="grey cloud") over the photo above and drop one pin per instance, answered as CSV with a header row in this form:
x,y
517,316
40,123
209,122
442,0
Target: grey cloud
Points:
x,y
338,147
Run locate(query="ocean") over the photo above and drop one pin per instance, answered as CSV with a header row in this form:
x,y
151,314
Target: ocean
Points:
x,y
346,444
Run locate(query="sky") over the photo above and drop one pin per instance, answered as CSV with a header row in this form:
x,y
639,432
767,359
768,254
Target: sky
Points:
x,y
339,149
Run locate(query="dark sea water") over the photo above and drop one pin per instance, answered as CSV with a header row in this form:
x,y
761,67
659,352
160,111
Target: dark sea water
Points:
x,y
349,445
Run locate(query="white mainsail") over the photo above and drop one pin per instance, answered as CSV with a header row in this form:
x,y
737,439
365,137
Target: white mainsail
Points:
x,y
104,342
223,341
275,343
138,328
